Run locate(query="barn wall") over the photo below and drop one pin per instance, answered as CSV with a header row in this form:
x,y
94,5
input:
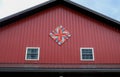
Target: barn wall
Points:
x,y
34,30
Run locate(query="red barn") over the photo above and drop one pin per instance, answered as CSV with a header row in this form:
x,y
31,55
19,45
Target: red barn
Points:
x,y
60,37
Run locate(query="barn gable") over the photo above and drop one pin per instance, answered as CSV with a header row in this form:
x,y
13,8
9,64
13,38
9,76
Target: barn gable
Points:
x,y
88,29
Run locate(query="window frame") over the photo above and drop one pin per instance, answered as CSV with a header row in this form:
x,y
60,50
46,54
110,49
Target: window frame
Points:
x,y
87,59
32,48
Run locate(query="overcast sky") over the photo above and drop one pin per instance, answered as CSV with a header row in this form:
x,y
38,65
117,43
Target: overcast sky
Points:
x,y
109,8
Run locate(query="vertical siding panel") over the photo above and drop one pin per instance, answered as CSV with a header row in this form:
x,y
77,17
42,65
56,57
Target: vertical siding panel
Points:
x,y
43,35
96,41
79,36
42,52
10,48
111,48
14,48
69,25
23,36
19,46
7,46
76,36
52,27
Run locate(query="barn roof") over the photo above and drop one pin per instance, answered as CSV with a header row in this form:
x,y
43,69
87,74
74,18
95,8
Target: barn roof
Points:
x,y
67,3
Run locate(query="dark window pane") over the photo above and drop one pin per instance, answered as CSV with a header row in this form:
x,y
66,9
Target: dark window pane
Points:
x,y
91,57
34,56
32,53
87,54
28,56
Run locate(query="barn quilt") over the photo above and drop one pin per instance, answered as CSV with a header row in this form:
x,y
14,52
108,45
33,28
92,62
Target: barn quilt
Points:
x,y
60,35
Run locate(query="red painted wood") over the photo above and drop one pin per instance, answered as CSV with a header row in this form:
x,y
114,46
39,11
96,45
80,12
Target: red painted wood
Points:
x,y
34,31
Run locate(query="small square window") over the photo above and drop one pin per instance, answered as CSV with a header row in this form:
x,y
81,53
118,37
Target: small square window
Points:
x,y
87,54
32,53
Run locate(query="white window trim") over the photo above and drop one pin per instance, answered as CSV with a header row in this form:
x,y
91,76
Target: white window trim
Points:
x,y
32,48
86,59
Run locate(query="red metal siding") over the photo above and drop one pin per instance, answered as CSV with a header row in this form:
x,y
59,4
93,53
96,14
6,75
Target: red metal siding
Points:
x,y
34,31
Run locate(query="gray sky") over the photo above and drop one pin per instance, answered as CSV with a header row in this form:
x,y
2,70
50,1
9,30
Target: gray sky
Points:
x,y
107,7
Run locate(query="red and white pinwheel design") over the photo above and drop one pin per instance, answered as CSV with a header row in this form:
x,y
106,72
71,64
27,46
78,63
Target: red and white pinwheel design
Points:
x,y
60,35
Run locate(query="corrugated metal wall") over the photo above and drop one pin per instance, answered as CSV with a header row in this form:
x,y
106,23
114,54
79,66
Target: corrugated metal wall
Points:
x,y
34,31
